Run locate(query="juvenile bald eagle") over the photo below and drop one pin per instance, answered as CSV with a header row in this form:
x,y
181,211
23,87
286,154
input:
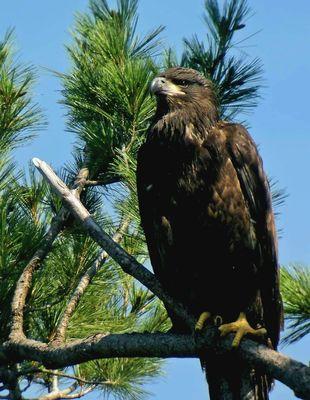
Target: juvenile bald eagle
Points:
x,y
206,212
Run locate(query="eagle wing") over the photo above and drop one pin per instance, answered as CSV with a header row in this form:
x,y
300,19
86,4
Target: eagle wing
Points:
x,y
149,218
255,187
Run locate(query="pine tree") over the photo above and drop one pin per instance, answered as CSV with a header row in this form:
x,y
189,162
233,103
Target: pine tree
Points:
x,y
76,289
295,287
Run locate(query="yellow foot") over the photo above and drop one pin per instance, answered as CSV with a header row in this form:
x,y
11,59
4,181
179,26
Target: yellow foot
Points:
x,y
201,320
242,328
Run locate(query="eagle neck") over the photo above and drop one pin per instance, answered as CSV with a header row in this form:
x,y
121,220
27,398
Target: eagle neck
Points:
x,y
183,124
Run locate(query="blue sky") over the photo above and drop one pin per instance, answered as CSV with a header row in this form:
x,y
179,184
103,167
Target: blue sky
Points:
x,y
279,124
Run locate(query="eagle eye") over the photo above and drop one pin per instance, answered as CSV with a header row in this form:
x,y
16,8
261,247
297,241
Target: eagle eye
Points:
x,y
181,82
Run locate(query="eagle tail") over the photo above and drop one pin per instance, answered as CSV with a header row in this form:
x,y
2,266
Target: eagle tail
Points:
x,y
228,379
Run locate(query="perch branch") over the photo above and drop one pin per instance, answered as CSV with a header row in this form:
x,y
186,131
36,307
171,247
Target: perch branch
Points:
x,y
163,345
128,263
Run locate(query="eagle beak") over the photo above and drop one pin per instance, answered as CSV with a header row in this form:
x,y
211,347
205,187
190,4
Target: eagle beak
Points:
x,y
158,85
162,86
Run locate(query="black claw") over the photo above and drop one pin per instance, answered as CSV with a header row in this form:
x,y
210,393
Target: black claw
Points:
x,y
218,320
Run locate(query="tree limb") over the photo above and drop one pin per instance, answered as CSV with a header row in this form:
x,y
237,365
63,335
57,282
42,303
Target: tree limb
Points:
x,y
59,394
24,281
83,284
61,375
103,182
67,393
161,345
81,393
128,263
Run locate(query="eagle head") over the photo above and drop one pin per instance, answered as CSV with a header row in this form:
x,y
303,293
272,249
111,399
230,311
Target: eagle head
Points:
x,y
184,89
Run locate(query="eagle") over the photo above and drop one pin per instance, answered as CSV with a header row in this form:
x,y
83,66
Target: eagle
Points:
x,y
206,211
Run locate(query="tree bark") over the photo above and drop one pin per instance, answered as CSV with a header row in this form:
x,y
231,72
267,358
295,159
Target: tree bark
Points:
x,y
162,345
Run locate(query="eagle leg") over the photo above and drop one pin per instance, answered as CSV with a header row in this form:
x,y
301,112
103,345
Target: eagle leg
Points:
x,y
201,320
241,327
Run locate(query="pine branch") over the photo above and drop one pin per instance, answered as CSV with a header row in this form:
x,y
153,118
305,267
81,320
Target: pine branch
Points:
x,y
295,285
83,284
24,282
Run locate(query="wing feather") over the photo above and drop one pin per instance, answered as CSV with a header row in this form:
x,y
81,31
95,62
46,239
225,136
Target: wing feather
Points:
x,y
150,221
254,184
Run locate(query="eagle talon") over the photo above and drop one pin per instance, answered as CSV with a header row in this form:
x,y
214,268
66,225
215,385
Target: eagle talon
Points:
x,y
201,320
218,320
241,327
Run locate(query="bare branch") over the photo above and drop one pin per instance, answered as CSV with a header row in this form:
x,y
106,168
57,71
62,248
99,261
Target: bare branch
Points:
x,y
67,393
24,282
83,284
103,182
26,387
81,393
62,375
59,394
128,263
55,387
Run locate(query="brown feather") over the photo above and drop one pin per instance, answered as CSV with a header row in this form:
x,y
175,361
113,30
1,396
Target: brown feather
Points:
x,y
207,218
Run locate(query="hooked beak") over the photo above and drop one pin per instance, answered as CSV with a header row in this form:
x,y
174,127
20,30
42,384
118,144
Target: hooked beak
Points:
x,y
162,86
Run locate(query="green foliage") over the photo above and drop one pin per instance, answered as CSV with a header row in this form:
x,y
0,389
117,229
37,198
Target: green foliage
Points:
x,y
20,232
107,91
112,303
237,80
19,116
119,377
19,238
295,285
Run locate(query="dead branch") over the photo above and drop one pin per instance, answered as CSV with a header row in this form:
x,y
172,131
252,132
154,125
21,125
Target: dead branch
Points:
x,y
24,282
42,370
103,182
128,263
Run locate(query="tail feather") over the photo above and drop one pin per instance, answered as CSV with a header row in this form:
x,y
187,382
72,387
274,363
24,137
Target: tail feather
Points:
x,y
228,379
